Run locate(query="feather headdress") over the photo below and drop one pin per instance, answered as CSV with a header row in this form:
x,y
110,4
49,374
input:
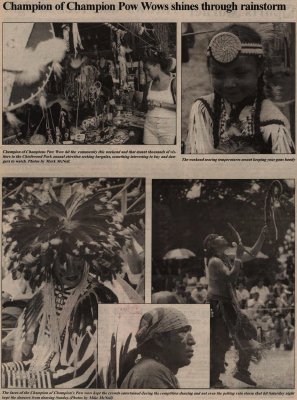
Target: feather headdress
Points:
x,y
56,220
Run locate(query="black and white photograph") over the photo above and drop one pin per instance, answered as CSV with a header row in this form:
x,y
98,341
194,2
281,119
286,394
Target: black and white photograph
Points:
x,y
231,244
68,244
238,88
148,346
89,83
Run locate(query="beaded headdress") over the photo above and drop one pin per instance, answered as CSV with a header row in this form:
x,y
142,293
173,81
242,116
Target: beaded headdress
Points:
x,y
225,47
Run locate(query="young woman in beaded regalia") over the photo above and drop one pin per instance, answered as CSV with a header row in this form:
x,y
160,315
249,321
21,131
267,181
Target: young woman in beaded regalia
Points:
x,y
237,117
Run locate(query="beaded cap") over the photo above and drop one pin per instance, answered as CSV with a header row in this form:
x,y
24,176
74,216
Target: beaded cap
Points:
x,y
225,47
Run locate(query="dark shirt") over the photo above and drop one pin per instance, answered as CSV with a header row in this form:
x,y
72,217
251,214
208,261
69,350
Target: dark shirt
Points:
x,y
150,374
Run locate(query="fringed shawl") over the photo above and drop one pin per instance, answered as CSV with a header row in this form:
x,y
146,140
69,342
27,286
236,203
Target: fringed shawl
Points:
x,y
274,126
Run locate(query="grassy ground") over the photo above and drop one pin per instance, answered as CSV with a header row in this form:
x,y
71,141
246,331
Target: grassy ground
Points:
x,y
275,371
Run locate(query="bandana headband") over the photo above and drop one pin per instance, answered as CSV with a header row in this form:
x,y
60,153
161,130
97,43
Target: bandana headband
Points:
x,y
159,320
225,47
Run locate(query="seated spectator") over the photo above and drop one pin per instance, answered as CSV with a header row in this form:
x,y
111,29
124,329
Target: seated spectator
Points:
x,y
279,327
199,294
271,301
281,301
204,281
267,326
262,290
253,305
189,299
289,331
181,293
242,295
190,282
278,287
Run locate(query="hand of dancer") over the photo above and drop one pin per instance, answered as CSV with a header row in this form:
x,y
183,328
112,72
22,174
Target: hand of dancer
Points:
x,y
265,230
236,234
239,251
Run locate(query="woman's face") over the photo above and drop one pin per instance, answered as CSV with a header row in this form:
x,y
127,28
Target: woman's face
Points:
x,y
152,70
237,80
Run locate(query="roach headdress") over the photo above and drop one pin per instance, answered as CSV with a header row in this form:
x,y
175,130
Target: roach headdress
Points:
x,y
55,220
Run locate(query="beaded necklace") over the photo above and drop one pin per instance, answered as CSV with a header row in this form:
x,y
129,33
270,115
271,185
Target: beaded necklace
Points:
x,y
241,127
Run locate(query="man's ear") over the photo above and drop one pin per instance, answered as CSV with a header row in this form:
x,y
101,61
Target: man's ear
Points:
x,y
161,340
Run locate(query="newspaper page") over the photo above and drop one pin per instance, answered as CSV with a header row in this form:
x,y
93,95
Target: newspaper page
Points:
x,y
148,169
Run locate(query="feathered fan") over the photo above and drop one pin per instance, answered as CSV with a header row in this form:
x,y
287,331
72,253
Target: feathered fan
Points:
x,y
79,221
272,197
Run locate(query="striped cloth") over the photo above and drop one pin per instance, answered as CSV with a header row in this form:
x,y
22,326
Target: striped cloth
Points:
x,y
76,364
16,375
77,367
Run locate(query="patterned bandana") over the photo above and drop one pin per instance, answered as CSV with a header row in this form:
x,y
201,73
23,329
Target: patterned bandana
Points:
x,y
157,321
225,47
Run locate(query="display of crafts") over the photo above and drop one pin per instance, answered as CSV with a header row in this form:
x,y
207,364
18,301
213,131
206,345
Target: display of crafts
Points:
x,y
100,130
85,85
129,119
109,135
94,92
91,123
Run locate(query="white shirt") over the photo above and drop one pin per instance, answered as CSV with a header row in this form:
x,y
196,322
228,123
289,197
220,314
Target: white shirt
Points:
x,y
263,292
242,295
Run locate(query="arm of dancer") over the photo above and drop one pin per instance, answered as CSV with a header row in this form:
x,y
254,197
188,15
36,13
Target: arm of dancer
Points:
x,y
222,271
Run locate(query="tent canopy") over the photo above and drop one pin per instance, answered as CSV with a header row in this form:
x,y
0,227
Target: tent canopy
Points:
x,y
179,254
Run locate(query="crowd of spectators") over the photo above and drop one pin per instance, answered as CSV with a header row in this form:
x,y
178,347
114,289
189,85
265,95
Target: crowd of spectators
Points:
x,y
270,308
269,305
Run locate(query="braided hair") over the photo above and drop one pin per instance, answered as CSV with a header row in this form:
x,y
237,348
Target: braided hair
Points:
x,y
217,109
258,105
247,35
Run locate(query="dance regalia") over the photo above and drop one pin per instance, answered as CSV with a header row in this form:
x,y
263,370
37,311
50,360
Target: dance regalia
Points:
x,y
228,321
237,135
58,348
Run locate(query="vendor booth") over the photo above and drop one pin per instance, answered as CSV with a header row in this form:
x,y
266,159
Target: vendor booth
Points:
x,y
78,83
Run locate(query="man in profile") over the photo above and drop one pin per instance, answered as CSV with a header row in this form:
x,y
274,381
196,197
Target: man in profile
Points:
x,y
165,344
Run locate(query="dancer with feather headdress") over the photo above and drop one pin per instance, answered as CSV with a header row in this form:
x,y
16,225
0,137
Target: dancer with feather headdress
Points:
x,y
65,240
